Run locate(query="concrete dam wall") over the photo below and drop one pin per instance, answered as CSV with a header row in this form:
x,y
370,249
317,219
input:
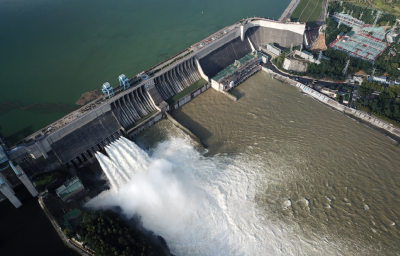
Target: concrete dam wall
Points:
x,y
261,36
133,106
225,55
177,79
79,143
131,111
241,42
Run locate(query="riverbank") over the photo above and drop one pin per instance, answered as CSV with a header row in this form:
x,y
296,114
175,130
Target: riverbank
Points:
x,y
63,237
337,106
289,10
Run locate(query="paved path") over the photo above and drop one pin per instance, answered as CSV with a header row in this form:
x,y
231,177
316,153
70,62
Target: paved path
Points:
x,y
289,10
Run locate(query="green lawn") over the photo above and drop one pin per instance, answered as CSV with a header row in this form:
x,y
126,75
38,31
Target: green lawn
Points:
x,y
43,179
392,8
307,11
186,91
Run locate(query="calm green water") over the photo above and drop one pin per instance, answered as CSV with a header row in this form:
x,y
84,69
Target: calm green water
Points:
x,y
53,51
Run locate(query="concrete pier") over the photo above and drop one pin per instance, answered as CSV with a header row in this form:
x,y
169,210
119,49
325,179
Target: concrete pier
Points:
x,y
9,193
26,181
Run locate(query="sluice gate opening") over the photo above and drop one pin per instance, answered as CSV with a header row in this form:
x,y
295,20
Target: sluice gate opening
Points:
x,y
177,79
133,106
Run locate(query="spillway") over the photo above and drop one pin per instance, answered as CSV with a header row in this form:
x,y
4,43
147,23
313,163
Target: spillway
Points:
x,y
177,79
132,106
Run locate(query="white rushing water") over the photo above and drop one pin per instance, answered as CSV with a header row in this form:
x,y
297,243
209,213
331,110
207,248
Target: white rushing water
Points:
x,y
199,205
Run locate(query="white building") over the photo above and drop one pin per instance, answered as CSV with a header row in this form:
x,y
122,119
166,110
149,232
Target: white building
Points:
x,y
329,92
275,50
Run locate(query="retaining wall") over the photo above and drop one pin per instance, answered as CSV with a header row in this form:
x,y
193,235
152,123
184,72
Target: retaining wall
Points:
x,y
334,104
189,97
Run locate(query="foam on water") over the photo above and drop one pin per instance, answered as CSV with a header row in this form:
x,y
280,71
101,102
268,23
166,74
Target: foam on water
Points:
x,y
199,205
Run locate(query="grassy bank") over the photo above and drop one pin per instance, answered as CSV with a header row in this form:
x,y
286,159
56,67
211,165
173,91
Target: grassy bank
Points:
x,y
307,11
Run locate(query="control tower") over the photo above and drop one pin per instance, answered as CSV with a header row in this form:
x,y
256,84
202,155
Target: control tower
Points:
x,y
5,186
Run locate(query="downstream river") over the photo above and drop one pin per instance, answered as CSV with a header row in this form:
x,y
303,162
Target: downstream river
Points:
x,y
292,176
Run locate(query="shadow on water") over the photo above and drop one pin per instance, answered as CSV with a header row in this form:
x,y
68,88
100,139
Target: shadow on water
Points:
x,y
26,230
194,127
238,93
19,135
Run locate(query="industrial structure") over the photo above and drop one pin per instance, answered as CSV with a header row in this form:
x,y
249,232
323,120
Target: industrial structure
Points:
x,y
363,41
348,20
360,45
124,81
238,72
70,188
5,186
108,90
139,102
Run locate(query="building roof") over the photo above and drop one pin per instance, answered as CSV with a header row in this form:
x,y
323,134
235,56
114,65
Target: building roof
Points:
x,y
72,214
360,45
351,33
232,68
69,187
348,20
329,90
377,32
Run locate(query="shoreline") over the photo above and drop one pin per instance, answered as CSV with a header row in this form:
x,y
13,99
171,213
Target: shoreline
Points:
x,y
65,240
289,10
359,115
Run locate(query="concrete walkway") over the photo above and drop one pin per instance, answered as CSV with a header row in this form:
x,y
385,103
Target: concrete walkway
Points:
x,y
289,10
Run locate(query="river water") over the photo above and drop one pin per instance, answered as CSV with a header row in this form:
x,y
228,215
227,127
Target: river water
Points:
x,y
282,175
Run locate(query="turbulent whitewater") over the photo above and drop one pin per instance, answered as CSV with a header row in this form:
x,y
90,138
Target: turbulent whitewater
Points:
x,y
200,205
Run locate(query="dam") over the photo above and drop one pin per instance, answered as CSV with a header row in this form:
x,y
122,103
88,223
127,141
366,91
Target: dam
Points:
x,y
140,102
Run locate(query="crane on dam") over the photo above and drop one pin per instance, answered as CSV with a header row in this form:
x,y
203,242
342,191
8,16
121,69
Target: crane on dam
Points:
x,y
108,90
124,82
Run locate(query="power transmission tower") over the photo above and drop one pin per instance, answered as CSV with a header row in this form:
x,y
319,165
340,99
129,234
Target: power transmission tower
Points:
x,y
377,17
346,67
